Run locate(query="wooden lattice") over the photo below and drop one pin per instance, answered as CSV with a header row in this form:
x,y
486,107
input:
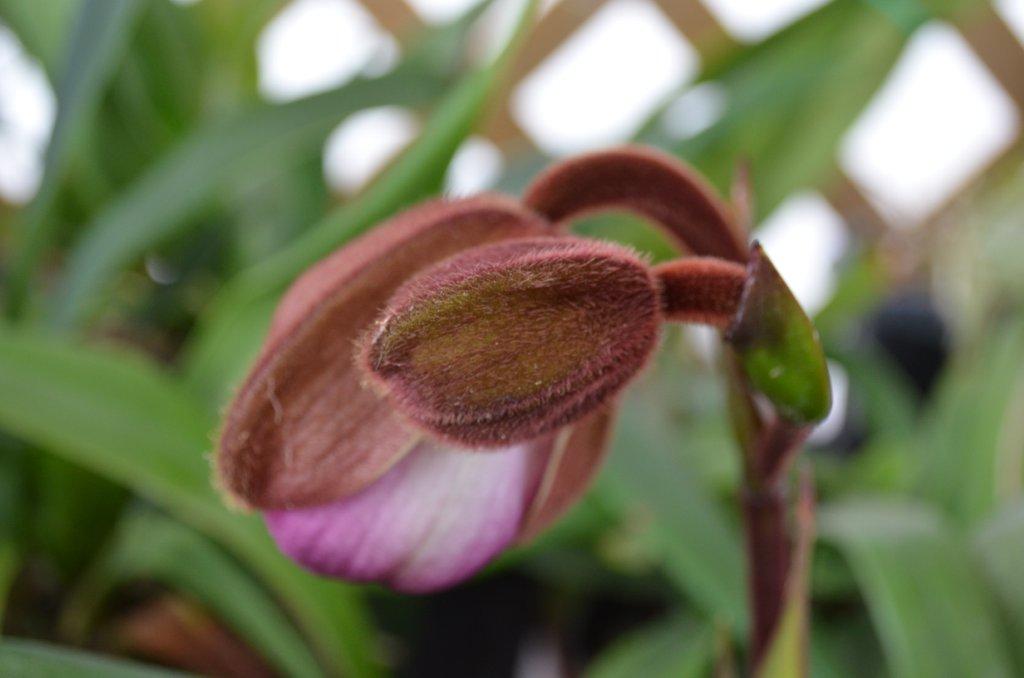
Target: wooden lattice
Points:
x,y
984,31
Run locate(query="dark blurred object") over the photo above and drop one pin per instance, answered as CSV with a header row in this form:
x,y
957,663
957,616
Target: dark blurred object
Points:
x,y
506,626
909,329
475,630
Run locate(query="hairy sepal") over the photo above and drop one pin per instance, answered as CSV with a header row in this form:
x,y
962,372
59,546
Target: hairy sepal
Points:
x,y
507,342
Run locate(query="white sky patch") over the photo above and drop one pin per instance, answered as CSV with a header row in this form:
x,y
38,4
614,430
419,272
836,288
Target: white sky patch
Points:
x,y
1013,12
937,120
476,167
601,84
27,111
755,19
493,29
313,45
705,341
694,111
832,426
440,11
359,147
805,239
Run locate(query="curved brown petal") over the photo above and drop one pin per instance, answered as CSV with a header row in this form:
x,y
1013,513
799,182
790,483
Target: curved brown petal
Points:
x,y
571,468
303,429
653,184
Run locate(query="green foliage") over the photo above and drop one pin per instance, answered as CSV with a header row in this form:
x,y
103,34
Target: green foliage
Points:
x,y
209,160
932,612
978,407
998,548
689,531
94,48
123,419
148,546
25,659
790,99
674,648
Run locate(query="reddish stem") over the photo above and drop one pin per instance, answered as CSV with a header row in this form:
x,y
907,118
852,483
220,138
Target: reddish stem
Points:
x,y
779,443
701,289
768,548
769,444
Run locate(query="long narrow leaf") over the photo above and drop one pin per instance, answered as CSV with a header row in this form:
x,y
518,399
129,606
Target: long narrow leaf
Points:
x,y
999,548
920,588
30,659
691,532
150,546
971,450
101,34
116,415
789,99
160,203
41,27
9,561
673,648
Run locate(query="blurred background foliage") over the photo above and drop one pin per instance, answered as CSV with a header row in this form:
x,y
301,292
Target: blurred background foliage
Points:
x,y
177,202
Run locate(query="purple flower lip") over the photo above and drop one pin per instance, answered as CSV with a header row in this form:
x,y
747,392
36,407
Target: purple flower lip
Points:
x,y
444,386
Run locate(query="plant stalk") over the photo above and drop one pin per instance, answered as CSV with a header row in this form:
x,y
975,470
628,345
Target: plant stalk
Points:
x,y
768,548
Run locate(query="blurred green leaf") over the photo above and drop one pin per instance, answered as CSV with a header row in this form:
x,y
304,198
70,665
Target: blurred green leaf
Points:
x,y
672,648
999,549
160,204
150,546
101,33
73,511
972,446
31,659
844,646
417,174
790,99
689,530
232,29
10,561
42,27
115,414
928,604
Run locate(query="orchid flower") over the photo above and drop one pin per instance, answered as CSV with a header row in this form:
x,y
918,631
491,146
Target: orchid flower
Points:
x,y
443,387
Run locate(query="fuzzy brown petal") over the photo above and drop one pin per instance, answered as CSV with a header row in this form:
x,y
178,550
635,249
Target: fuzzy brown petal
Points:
x,y
652,184
303,428
505,343
571,468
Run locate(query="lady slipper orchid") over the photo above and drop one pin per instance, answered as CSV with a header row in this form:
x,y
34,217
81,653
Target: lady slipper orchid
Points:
x,y
443,387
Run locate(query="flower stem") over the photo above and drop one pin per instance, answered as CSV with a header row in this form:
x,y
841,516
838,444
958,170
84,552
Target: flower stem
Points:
x,y
768,553
769,444
701,289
